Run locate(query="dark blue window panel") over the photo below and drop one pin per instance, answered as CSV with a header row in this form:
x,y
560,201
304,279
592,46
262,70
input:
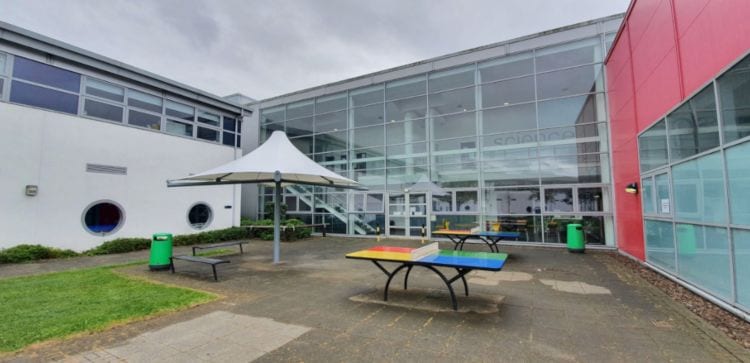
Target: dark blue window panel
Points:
x,y
230,124
239,143
208,134
50,99
228,139
44,74
143,119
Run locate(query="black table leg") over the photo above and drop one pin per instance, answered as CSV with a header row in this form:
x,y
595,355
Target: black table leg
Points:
x,y
461,273
390,277
214,268
406,278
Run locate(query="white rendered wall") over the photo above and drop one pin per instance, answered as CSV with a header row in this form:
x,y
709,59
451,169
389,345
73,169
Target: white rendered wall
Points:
x,y
51,150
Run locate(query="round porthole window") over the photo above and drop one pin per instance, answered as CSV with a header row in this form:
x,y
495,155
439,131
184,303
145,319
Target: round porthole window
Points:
x,y
199,216
103,217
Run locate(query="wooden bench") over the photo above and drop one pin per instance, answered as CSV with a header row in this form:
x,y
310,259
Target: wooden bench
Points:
x,y
217,245
285,227
209,261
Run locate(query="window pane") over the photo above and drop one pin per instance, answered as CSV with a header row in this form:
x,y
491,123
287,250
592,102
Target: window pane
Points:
x,y
330,103
510,146
270,115
442,203
3,61
405,132
239,141
367,137
647,195
512,118
693,127
334,121
738,172
368,115
467,201
734,90
208,118
366,96
372,158
452,78
299,109
143,119
227,138
304,144
230,124
299,127
207,134
506,67
331,141
457,125
504,93
699,190
741,240
570,111
45,74
512,201
405,88
703,257
102,110
511,172
660,244
2,85
558,200
573,169
36,96
179,111
663,202
568,82
652,147
460,100
590,200
455,175
95,87
179,128
406,109
567,55
144,101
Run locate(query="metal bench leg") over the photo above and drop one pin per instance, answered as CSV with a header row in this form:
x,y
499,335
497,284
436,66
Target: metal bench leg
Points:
x,y
214,268
406,277
193,250
241,251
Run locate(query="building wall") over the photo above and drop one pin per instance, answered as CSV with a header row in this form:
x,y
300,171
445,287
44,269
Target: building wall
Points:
x,y
666,51
51,150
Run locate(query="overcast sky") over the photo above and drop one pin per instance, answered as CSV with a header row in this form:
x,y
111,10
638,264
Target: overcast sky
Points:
x,y
267,48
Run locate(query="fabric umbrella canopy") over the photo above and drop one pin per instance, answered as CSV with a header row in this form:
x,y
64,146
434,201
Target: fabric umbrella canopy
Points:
x,y
276,162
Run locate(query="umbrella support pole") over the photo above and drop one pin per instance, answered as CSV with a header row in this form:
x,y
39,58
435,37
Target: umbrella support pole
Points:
x,y
277,222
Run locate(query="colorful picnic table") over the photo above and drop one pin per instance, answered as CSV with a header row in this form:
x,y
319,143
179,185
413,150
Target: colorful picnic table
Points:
x,y
459,237
431,257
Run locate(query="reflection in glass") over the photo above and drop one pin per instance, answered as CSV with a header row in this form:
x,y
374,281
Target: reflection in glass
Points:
x,y
368,115
95,87
270,115
647,195
47,75
568,82
456,125
46,98
330,103
741,240
143,119
366,96
590,200
738,173
660,244
703,257
504,93
406,109
558,200
571,54
663,201
452,78
734,91
693,127
512,201
102,110
367,137
512,118
207,134
144,101
699,190
571,111
299,109
448,102
403,88
334,121
506,67
299,127
178,110
529,228
304,144
652,147
406,132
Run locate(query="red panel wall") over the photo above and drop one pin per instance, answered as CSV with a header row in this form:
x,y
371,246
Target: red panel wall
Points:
x,y
666,51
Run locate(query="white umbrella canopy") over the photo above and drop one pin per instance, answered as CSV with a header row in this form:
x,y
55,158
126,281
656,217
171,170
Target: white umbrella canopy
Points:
x,y
277,162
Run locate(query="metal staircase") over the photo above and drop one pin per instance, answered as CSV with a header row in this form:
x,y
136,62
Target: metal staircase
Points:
x,y
358,226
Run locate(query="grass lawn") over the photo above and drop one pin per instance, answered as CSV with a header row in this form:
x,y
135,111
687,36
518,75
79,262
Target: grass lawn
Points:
x,y
37,308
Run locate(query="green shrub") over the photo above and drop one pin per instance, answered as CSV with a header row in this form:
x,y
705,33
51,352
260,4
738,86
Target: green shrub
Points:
x,y
122,245
288,234
24,253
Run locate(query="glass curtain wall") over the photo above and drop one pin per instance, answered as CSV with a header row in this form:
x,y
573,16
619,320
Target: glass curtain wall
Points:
x,y
695,180
517,143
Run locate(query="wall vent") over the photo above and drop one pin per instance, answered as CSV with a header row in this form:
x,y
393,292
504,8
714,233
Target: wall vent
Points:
x,y
106,169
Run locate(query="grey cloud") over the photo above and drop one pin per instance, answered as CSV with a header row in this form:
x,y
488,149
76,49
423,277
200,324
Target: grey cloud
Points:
x,y
265,48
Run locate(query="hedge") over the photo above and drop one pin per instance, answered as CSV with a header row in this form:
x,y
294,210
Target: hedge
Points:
x,y
22,253
122,245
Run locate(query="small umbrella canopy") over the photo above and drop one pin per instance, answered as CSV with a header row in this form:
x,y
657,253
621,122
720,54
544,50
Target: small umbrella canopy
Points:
x,y
278,162
424,185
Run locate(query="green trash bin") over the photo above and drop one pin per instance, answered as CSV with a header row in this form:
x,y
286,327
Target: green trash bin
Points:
x,y
161,251
575,238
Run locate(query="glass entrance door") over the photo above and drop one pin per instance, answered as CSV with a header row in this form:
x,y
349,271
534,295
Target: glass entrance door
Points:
x,y
407,214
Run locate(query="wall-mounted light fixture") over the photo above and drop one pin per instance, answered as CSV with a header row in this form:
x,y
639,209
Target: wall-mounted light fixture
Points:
x,y
632,188
32,190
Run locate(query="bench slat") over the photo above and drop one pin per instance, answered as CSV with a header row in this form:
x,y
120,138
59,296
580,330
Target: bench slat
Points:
x,y
210,261
225,244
